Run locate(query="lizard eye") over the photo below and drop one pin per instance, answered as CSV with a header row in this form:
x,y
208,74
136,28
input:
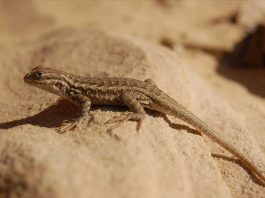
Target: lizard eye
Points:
x,y
38,75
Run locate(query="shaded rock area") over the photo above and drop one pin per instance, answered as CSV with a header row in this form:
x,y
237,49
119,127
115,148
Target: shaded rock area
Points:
x,y
246,62
250,52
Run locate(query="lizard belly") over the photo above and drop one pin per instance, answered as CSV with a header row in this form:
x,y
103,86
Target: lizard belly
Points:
x,y
105,99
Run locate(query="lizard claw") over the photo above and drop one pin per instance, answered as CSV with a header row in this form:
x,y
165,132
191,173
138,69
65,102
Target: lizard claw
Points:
x,y
72,124
119,118
67,126
125,117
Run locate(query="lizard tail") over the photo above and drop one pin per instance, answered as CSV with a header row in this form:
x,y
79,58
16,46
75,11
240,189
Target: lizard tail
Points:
x,y
185,115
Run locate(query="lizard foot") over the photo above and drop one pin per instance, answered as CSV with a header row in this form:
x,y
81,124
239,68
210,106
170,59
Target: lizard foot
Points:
x,y
72,124
120,119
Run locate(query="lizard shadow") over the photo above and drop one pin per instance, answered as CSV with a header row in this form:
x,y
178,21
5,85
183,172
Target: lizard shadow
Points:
x,y
50,117
56,114
238,162
179,126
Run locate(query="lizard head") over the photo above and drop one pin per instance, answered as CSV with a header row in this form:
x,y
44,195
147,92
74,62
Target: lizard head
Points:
x,y
48,79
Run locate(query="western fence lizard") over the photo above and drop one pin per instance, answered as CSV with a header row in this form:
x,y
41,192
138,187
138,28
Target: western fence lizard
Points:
x,y
136,94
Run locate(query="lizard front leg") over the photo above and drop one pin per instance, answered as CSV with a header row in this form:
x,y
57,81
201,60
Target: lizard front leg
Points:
x,y
84,118
132,100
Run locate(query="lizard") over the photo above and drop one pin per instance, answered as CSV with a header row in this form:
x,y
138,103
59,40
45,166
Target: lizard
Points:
x,y
137,95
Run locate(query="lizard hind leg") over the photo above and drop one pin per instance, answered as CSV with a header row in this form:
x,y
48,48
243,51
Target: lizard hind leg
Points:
x,y
131,99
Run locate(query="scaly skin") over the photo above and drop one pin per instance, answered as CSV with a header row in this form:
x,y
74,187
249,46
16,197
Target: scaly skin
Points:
x,y
136,94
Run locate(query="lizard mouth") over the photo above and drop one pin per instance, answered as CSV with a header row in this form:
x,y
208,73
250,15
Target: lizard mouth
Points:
x,y
27,78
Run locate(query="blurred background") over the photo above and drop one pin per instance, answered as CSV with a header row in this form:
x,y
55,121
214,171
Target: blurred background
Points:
x,y
230,31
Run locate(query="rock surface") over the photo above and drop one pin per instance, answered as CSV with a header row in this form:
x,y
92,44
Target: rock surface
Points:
x,y
163,160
